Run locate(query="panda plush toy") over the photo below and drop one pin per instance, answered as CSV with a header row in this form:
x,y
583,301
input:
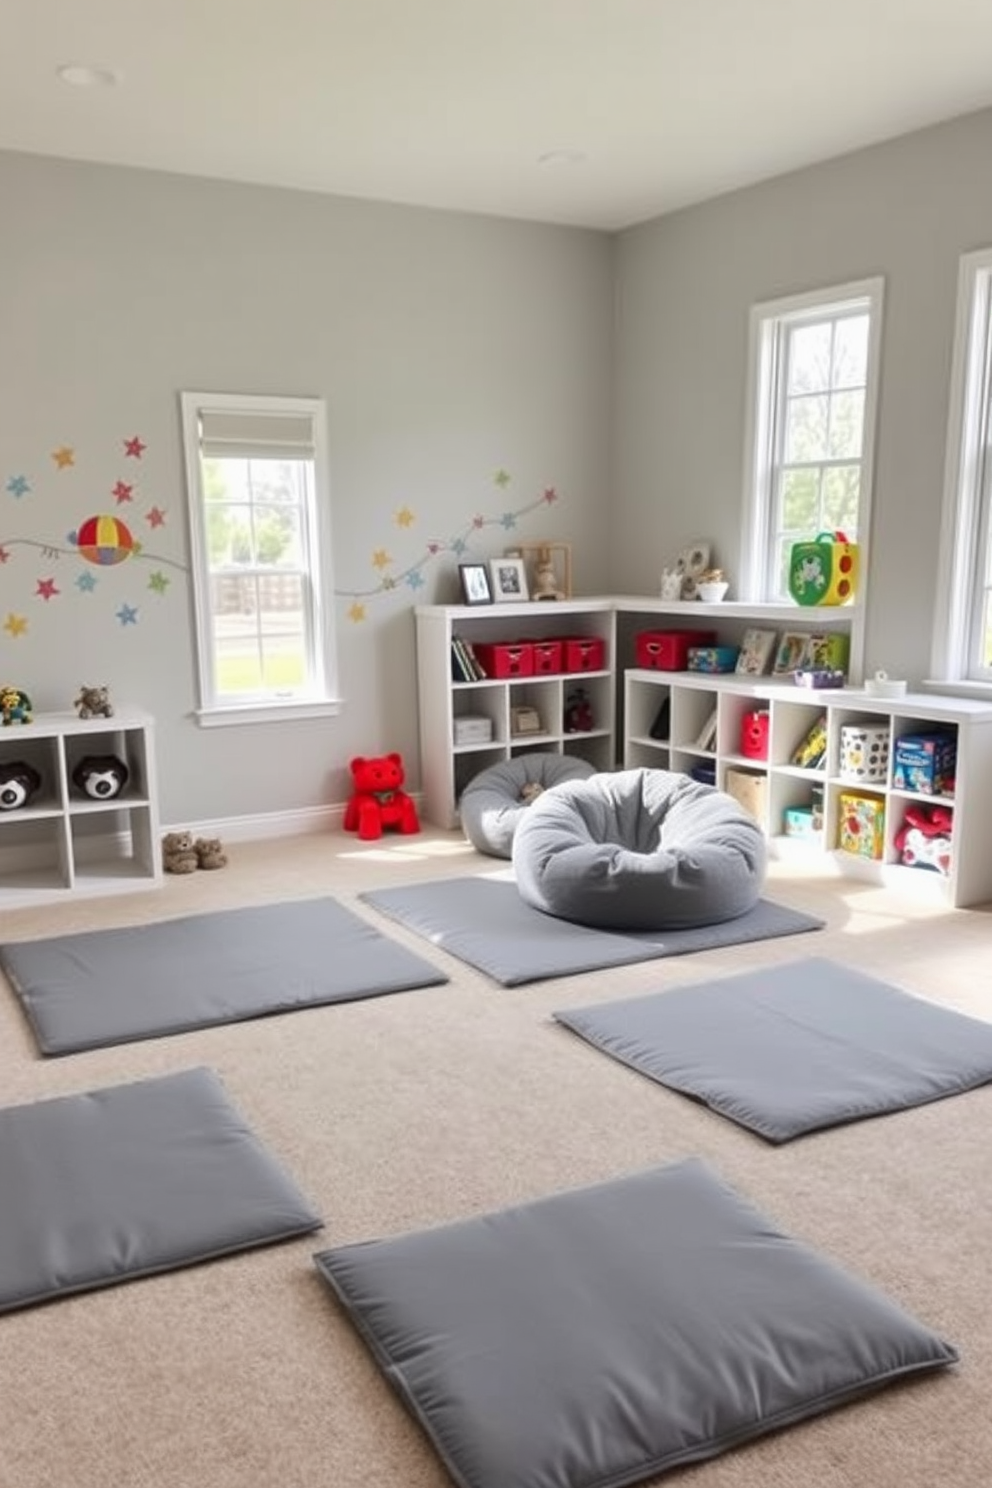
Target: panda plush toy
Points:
x,y
18,783
100,776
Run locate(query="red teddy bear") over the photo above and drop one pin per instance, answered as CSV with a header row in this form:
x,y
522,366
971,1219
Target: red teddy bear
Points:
x,y
379,799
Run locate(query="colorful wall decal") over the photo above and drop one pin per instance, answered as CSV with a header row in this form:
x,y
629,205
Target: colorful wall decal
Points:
x,y
104,540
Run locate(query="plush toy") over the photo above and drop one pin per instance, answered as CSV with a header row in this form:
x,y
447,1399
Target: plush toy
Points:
x,y
94,702
179,853
209,853
924,838
15,706
18,783
100,776
379,799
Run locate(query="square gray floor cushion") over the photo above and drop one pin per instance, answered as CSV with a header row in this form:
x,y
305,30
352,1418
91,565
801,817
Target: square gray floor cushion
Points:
x,y
104,987
117,1183
793,1048
602,1335
485,923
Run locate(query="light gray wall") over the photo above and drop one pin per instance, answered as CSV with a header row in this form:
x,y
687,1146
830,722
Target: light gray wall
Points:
x,y
685,284
448,347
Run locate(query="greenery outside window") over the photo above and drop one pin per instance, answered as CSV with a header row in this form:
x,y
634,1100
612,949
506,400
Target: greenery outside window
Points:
x,y
814,368
260,543
962,651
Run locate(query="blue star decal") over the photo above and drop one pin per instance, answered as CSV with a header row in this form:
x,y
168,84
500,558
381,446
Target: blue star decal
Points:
x,y
459,546
415,580
128,614
86,583
508,520
18,486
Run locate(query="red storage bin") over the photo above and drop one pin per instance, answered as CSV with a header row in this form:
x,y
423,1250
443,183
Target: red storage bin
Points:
x,y
547,657
668,650
506,658
584,653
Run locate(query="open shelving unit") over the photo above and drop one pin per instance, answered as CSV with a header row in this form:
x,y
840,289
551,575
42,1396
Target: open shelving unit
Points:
x,y
62,841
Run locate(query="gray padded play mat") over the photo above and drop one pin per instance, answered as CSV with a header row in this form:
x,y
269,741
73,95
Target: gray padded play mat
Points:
x,y
794,1048
118,1183
484,922
106,987
600,1336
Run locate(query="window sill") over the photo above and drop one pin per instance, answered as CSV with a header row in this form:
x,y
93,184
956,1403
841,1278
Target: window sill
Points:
x,y
288,712
961,687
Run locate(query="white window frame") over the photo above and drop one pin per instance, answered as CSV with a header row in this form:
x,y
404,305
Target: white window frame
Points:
x,y
765,395
965,538
319,697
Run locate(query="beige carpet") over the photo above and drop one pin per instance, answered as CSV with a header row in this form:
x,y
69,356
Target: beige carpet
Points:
x,y
409,1110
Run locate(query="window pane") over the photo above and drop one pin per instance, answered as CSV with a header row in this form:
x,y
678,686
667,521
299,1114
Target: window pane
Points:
x,y
278,541
841,490
800,500
850,364
847,413
809,359
806,429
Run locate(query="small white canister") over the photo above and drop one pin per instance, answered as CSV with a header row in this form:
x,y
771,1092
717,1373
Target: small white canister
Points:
x,y
864,753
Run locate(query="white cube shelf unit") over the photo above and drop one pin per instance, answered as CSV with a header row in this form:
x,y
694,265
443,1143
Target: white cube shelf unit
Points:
x,y
446,766
64,842
669,739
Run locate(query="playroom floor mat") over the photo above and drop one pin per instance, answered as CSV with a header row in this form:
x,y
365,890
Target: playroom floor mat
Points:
x,y
127,1181
484,922
793,1049
103,987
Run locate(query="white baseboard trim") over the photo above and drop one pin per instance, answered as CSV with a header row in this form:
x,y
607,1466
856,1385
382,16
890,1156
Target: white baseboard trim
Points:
x,y
298,823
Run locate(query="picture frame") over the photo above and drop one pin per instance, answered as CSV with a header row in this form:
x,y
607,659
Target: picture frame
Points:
x,y
508,578
549,567
790,653
757,650
477,588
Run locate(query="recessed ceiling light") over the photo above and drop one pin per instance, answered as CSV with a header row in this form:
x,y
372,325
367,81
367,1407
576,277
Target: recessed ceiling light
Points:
x,y
556,158
79,75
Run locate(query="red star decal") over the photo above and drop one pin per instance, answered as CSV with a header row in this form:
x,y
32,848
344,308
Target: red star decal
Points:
x,y
135,448
122,491
4,555
478,521
155,517
550,495
46,589
433,548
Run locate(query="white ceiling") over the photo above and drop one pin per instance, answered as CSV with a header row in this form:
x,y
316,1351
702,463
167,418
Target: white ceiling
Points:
x,y
643,106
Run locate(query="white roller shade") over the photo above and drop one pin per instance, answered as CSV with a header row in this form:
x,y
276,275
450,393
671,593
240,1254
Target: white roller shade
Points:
x,y
260,436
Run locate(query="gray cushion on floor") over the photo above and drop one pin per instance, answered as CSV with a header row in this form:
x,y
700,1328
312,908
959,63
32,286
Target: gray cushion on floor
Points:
x,y
639,850
103,987
597,1337
795,1048
117,1183
491,805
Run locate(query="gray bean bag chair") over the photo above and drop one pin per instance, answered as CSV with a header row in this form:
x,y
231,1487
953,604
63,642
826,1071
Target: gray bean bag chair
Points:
x,y
639,850
493,802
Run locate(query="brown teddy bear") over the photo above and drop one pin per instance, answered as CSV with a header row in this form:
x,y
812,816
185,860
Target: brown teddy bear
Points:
x,y
178,853
209,853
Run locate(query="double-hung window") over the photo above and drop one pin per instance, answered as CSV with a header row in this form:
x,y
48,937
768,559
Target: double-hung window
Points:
x,y
963,633
814,362
261,563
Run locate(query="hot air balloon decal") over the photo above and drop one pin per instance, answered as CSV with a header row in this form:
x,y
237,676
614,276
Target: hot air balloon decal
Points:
x,y
104,540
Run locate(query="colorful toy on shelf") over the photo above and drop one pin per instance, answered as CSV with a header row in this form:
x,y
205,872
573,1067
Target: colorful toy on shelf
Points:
x,y
15,706
102,777
378,799
578,712
94,702
924,838
18,783
823,571
808,753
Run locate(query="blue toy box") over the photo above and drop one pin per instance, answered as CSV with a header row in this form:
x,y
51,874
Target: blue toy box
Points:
x,y
925,763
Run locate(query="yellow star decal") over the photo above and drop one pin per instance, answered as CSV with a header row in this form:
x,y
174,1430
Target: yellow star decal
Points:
x,y
64,456
405,517
16,624
381,559
356,612
502,478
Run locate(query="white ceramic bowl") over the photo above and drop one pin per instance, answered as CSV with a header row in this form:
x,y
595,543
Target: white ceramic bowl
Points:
x,y
712,593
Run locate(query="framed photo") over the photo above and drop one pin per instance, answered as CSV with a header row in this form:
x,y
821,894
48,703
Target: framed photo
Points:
x,y
476,588
757,649
790,653
509,580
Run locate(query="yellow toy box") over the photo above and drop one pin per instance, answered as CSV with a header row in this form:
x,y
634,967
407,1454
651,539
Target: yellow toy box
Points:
x,y
861,825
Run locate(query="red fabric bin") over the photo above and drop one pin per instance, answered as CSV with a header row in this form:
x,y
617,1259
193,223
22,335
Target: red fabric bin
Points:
x,y
547,657
668,650
584,653
505,658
